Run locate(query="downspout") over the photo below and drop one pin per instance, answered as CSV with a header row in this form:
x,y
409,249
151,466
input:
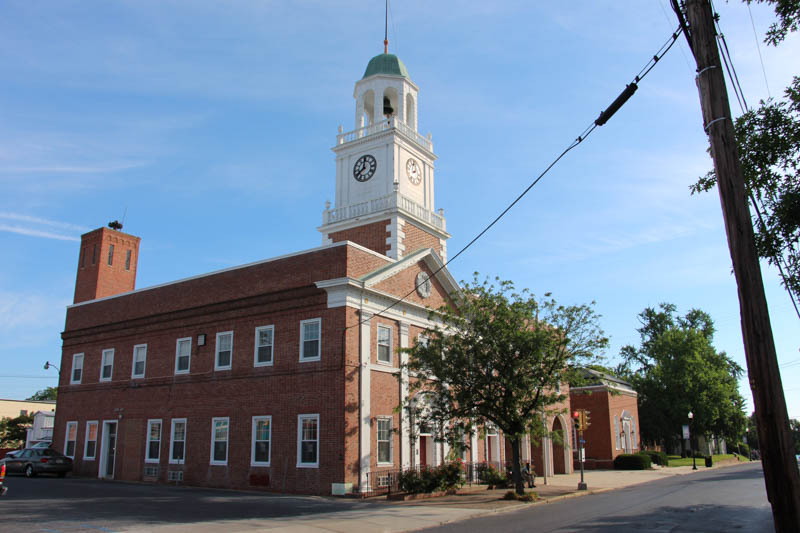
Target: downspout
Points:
x,y
360,389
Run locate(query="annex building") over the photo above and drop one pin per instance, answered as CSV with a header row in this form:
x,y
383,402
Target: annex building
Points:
x,y
280,374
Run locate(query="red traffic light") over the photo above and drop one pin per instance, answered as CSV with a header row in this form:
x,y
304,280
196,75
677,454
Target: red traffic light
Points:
x,y
575,415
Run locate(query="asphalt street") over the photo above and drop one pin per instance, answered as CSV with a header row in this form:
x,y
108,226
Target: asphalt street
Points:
x,y
725,500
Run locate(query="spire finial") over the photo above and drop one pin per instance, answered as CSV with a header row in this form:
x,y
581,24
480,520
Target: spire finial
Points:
x,y
386,29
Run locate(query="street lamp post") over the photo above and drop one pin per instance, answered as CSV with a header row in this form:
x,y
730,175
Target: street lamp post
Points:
x,y
48,364
691,444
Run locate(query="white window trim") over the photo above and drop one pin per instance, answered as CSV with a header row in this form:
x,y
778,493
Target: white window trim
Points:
x,y
227,440
103,363
378,441
256,362
216,352
617,439
177,354
134,375
300,419
86,440
66,439
302,340
72,373
172,440
147,458
378,346
253,461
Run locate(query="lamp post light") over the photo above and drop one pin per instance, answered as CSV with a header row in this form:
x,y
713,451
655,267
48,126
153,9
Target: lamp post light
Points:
x,y
48,364
691,444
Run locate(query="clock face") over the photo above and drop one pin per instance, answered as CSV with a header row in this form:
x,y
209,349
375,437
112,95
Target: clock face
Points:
x,y
364,168
413,172
423,285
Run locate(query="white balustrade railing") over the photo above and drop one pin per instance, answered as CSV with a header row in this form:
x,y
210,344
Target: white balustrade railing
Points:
x,y
393,200
384,125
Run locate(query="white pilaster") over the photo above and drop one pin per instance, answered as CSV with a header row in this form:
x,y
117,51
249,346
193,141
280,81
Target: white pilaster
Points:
x,y
405,433
473,447
365,400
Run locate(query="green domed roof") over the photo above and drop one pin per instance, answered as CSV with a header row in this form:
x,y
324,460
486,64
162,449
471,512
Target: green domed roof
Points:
x,y
386,64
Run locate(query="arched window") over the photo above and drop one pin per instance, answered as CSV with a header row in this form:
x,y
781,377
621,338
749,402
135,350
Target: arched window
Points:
x,y
411,111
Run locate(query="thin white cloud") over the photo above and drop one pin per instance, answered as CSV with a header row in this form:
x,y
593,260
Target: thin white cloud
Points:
x,y
43,221
30,232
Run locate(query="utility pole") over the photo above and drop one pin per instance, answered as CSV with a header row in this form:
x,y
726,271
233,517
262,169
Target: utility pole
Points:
x,y
780,471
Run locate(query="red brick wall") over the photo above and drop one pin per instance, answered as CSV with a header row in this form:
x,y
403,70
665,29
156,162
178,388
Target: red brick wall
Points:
x,y
602,406
227,288
95,277
416,238
372,236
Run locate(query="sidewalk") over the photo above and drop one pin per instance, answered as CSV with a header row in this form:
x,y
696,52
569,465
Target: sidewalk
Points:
x,y
382,515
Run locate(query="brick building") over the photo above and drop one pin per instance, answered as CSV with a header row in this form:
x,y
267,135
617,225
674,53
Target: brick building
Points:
x,y
614,417
280,374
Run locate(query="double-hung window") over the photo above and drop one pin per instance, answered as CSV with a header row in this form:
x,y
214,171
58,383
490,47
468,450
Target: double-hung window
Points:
x,y
139,360
264,346
177,444
107,365
90,446
77,369
224,351
71,438
384,440
183,355
219,441
110,254
308,441
310,336
262,436
153,453
385,344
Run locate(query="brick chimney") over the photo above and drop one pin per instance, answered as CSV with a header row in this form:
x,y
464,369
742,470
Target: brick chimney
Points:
x,y
106,263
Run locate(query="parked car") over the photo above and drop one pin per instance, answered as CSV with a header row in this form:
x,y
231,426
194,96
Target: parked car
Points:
x,y
12,453
33,461
43,444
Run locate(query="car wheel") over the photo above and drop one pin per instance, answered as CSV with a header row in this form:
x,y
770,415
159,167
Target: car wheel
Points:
x,y
29,471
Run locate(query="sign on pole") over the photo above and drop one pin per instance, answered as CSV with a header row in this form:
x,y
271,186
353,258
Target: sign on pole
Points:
x,y
686,431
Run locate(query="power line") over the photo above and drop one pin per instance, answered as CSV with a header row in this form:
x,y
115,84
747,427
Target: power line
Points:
x,y
604,117
758,47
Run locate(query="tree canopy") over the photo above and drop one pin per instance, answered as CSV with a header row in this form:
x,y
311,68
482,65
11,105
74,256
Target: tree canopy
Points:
x,y
500,358
768,139
13,431
675,370
48,393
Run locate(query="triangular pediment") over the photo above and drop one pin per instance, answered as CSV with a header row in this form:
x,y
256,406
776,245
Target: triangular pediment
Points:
x,y
401,278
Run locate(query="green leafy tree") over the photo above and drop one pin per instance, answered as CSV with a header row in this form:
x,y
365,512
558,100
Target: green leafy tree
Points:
x,y
48,393
768,139
675,370
499,358
13,431
788,12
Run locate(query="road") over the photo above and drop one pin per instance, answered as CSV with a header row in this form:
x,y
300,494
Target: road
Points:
x,y
724,500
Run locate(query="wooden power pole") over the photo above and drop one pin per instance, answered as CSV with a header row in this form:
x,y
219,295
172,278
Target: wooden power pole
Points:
x,y
775,441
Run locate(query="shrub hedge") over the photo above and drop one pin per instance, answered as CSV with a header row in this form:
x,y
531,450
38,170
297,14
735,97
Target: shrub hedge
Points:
x,y
632,461
443,477
657,458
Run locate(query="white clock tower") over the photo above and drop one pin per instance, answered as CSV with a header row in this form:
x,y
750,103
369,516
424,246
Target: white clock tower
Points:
x,y
384,170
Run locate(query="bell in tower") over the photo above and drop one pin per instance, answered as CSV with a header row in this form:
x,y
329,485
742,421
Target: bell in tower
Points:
x,y
387,107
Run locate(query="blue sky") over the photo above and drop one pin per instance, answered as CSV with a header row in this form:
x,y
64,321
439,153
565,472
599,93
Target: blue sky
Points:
x,y
208,125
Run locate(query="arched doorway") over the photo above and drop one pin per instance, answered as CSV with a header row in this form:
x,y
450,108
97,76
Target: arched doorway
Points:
x,y
559,443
